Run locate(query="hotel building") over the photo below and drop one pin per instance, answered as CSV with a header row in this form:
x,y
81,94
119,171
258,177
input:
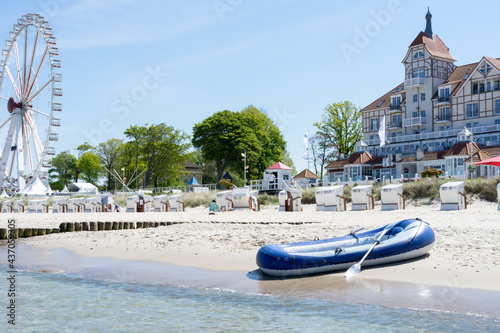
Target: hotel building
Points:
x,y
440,116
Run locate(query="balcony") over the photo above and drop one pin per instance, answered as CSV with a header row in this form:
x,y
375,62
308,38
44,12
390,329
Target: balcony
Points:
x,y
394,107
443,100
395,125
443,118
415,121
414,82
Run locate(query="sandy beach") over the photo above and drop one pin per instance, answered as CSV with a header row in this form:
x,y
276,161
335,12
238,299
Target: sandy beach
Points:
x,y
466,253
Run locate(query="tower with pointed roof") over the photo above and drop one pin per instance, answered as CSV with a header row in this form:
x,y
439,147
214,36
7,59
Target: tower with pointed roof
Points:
x,y
428,63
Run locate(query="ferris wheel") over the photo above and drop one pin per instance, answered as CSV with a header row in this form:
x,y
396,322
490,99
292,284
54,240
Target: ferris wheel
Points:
x,y
28,102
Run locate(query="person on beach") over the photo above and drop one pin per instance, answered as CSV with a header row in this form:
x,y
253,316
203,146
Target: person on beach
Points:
x,y
118,209
213,208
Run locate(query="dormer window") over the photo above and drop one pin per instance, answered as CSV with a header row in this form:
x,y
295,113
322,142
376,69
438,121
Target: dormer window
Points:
x,y
485,69
380,103
418,54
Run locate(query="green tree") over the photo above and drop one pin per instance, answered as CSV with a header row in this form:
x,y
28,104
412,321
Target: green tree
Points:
x,y
109,154
82,149
341,126
265,147
161,149
90,167
222,138
207,166
225,135
64,164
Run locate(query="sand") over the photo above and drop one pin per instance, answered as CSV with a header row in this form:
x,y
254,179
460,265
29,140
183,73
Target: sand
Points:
x,y
466,253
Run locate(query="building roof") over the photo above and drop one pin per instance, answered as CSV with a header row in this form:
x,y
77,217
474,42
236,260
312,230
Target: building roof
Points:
x,y
279,166
191,167
434,46
461,148
306,173
479,156
359,158
386,98
433,155
335,164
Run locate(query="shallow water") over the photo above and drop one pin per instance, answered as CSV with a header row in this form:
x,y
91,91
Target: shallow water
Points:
x,y
101,294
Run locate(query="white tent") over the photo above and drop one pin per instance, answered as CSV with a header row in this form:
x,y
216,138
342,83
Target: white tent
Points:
x,y
83,188
49,190
36,188
65,189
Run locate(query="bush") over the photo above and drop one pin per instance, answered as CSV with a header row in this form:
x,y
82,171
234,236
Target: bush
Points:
x,y
484,189
431,173
266,199
424,189
225,183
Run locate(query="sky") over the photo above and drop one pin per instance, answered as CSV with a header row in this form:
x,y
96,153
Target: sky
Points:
x,y
127,62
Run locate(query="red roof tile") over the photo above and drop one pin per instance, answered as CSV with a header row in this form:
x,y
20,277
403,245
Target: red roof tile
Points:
x,y
279,166
434,46
461,148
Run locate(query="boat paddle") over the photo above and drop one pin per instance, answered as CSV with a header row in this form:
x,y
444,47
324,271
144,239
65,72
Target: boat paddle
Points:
x,y
356,268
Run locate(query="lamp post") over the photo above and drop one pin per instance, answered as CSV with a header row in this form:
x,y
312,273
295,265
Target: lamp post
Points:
x,y
470,167
244,167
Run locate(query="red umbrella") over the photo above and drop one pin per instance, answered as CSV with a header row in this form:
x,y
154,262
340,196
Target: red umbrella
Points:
x,y
490,161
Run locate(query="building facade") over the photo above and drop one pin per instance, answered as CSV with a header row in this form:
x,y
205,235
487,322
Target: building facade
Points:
x,y
438,117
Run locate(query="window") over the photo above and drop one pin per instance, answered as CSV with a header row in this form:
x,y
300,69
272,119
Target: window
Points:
x,y
442,73
380,103
396,120
418,73
497,106
374,124
477,87
497,121
444,95
396,101
422,113
485,69
415,114
472,110
492,85
401,88
422,96
441,128
418,54
415,98
444,114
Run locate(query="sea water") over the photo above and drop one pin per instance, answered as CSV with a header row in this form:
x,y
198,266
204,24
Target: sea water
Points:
x,y
103,299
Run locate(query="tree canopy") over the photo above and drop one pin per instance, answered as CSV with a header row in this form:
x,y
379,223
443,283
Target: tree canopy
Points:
x,y
64,164
341,126
89,166
226,135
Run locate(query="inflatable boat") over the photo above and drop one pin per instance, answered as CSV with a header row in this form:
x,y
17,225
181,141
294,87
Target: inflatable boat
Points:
x,y
397,241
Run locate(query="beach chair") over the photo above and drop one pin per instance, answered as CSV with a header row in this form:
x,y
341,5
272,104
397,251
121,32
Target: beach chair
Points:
x,y
73,206
176,203
18,206
391,197
60,205
161,203
452,196
290,200
362,198
106,204
498,195
253,201
331,198
32,206
7,206
223,199
42,206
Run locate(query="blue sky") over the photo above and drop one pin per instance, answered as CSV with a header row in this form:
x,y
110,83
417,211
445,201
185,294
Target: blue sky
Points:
x,y
135,62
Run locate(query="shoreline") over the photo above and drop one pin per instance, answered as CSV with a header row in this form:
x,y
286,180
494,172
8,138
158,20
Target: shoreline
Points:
x,y
332,287
466,254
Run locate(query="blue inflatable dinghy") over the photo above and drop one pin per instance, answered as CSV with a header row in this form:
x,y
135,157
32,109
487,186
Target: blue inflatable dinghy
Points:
x,y
399,241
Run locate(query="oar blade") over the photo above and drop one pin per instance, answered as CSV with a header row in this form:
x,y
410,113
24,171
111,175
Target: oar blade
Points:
x,y
353,271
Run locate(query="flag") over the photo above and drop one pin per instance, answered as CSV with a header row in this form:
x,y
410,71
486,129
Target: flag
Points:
x,y
306,146
381,132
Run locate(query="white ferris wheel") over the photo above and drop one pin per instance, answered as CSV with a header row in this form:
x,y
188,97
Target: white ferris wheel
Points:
x,y
28,102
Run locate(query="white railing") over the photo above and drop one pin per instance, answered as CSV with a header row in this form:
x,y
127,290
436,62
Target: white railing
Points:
x,y
278,184
434,135
415,121
414,82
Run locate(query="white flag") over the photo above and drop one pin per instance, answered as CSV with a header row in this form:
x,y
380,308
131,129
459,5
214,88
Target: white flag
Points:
x,y
381,132
306,146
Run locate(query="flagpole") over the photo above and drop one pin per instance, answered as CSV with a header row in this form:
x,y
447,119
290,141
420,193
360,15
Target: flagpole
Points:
x,y
308,149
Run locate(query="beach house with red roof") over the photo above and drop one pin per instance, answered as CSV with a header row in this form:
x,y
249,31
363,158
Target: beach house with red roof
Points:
x,y
425,117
